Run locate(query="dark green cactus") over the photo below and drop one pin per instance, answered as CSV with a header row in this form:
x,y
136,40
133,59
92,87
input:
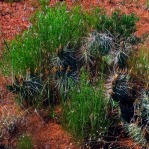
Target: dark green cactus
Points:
x,y
100,43
27,88
66,69
122,60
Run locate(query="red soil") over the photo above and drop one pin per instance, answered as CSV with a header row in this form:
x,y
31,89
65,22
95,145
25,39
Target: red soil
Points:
x,y
14,18
45,134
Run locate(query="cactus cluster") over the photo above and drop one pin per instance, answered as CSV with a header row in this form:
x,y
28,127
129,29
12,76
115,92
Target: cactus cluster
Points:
x,y
97,44
132,96
141,116
64,69
134,107
64,62
28,88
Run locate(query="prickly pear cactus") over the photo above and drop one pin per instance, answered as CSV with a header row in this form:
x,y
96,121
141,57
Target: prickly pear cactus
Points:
x,y
122,89
134,110
142,112
139,128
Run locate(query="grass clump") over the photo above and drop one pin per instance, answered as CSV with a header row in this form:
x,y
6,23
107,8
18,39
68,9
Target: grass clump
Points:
x,y
86,111
56,26
139,65
52,27
118,24
25,142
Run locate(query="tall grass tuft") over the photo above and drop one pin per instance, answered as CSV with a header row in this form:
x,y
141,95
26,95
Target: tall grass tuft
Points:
x,y
51,28
139,65
25,142
86,110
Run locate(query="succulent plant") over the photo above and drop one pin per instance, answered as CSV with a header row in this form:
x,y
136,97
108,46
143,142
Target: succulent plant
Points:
x,y
120,52
134,106
64,69
28,88
64,62
138,129
97,44
122,59
100,42
123,90
127,111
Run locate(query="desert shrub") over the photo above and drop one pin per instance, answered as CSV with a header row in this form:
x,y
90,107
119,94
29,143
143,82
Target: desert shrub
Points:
x,y
86,110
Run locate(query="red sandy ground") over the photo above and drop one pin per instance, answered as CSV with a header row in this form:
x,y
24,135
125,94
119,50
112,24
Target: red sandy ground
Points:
x,y
14,18
45,135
